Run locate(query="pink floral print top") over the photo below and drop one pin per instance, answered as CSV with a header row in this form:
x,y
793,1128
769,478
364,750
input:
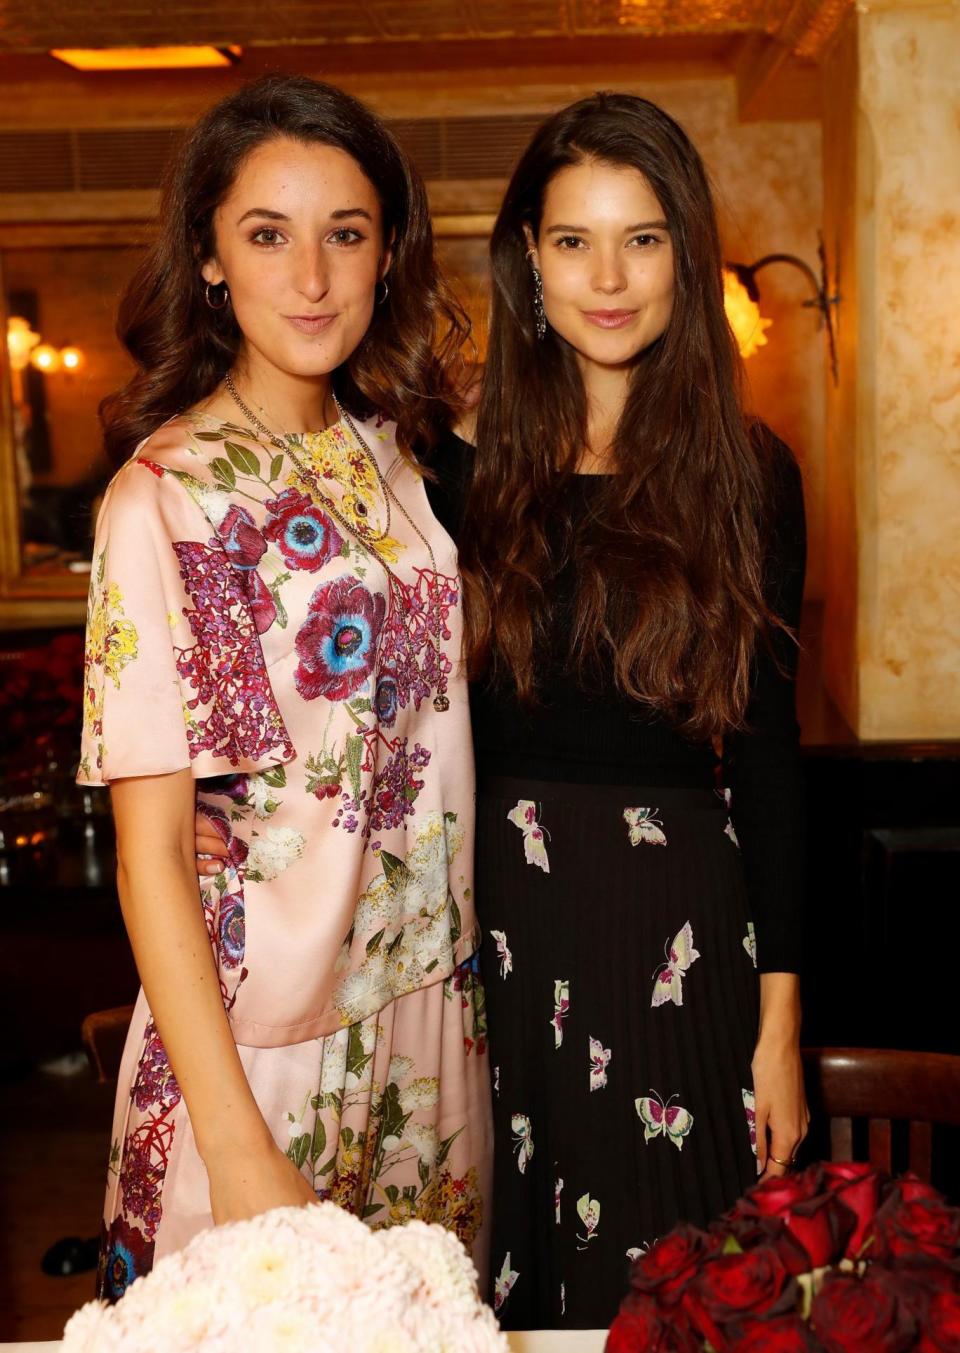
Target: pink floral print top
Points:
x,y
236,629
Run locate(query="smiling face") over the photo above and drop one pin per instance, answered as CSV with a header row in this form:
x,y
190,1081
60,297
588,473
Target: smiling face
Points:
x,y
299,243
606,259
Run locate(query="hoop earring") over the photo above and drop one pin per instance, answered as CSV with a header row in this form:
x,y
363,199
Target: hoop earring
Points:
x,y
386,291
226,295
539,314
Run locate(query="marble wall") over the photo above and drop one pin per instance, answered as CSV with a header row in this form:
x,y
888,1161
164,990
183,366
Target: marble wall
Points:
x,y
894,665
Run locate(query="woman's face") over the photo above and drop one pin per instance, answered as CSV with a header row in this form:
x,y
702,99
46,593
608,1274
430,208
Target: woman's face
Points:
x,y
606,259
299,243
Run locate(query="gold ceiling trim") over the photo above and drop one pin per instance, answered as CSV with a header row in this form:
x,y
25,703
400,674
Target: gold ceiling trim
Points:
x,y
805,26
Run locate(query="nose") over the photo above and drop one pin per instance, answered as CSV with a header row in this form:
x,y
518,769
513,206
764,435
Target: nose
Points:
x,y
609,275
313,275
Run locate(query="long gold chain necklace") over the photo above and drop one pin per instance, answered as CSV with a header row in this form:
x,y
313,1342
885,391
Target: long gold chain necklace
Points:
x,y
367,537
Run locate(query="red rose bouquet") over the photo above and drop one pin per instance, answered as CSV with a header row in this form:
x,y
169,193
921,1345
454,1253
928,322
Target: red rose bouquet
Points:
x,y
836,1259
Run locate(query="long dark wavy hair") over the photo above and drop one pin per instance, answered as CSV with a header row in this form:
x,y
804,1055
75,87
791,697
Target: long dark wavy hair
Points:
x,y
670,564
182,347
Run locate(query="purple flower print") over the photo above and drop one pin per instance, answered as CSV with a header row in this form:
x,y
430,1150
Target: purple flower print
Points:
x,y
305,535
338,640
236,849
244,544
225,667
263,608
155,1085
235,787
232,930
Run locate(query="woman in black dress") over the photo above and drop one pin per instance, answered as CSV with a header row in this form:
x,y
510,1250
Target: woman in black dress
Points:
x,y
633,554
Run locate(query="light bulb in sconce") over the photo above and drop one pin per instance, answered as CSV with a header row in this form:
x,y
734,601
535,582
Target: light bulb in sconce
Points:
x,y
71,359
46,358
743,314
21,341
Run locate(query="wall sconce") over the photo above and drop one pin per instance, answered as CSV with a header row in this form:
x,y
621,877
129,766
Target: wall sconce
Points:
x,y
26,348
821,300
21,341
46,358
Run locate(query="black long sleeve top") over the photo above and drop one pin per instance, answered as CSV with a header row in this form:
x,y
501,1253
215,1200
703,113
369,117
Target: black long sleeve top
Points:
x,y
600,736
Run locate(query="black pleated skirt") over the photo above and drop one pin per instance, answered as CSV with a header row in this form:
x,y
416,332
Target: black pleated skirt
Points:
x,y
623,1001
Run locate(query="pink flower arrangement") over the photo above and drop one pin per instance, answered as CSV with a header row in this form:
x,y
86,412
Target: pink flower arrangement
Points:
x,y
838,1258
299,1280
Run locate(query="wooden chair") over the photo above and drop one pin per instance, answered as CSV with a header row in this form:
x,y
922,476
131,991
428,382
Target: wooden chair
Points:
x,y
104,1034
883,1086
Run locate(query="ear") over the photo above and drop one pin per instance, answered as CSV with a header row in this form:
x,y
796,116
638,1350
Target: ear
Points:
x,y
532,251
212,273
386,258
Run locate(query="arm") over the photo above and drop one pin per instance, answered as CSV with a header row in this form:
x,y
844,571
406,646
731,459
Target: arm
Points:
x,y
763,772
161,909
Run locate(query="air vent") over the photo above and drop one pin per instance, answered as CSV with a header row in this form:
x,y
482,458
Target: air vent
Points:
x,y
121,159
126,158
36,162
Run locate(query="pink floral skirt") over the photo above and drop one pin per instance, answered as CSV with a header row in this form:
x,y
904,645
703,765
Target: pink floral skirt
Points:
x,y
389,1117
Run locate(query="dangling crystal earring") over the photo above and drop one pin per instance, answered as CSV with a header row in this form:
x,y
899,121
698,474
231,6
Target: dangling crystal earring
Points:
x,y
539,314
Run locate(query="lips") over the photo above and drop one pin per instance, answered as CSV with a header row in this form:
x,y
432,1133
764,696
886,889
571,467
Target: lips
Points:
x,y
609,319
310,324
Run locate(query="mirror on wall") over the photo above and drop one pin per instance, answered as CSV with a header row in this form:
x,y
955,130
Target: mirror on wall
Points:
x,y
63,357
60,300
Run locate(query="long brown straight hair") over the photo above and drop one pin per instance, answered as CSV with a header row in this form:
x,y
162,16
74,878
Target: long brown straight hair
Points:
x,y
182,348
669,564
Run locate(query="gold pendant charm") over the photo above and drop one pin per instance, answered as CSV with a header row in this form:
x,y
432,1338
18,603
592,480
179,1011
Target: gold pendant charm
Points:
x,y
441,704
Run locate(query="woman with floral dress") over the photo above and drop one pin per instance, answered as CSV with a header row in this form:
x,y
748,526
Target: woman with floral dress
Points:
x,y
632,548
273,630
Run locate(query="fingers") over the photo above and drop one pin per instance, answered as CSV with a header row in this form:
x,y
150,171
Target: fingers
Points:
x,y
762,1119
781,1150
210,853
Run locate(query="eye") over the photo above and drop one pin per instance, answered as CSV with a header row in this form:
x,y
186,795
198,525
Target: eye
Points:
x,y
268,236
346,235
569,242
646,241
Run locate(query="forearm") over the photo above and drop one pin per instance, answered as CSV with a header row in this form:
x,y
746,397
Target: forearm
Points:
x,y
162,911
780,1007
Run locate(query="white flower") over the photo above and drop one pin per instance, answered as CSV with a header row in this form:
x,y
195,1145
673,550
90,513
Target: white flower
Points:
x,y
422,1093
400,1068
271,852
333,1069
425,1139
301,1280
261,793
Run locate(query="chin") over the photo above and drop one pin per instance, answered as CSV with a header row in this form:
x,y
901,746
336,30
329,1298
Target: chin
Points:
x,y
609,349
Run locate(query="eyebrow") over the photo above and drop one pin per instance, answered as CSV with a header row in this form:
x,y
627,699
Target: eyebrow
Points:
x,y
585,230
341,215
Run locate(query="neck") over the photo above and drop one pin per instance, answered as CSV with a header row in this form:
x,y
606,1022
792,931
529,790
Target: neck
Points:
x,y
286,402
606,390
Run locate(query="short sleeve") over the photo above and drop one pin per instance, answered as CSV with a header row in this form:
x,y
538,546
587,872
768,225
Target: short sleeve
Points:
x,y
174,675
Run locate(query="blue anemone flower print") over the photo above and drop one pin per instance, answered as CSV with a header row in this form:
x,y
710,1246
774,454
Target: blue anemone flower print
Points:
x,y
386,699
337,643
304,534
125,1255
